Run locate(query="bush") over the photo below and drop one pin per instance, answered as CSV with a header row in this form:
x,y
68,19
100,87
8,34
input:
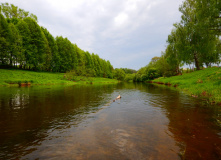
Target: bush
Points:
x,y
119,74
71,75
152,73
129,77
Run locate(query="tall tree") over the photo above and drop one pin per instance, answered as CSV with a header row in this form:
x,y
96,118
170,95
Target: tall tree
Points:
x,y
66,51
4,40
209,12
81,60
119,74
89,64
51,46
12,11
175,52
16,49
38,43
24,42
197,35
97,65
110,69
52,56
74,57
25,33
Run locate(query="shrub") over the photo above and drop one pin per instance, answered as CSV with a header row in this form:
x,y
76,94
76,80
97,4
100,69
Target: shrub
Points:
x,y
129,77
71,75
119,74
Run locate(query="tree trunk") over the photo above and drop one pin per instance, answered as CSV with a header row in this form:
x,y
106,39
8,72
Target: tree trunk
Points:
x,y
207,65
10,60
196,61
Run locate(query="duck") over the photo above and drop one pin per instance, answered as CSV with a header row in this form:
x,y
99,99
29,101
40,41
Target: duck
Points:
x,y
119,97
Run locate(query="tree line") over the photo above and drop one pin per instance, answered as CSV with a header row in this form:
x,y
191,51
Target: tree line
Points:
x,y
195,40
25,44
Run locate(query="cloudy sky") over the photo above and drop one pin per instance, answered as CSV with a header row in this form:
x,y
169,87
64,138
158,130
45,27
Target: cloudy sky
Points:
x,y
128,33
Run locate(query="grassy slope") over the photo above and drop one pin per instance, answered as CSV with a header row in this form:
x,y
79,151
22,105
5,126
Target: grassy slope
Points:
x,y
204,83
20,76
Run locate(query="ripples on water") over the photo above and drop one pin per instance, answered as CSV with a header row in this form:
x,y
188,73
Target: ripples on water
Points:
x,y
83,122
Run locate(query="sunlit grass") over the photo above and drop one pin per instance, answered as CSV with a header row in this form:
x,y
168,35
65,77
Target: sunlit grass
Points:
x,y
203,83
13,77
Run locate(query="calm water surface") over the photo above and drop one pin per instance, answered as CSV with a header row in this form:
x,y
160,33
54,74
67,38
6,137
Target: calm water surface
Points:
x,y
82,122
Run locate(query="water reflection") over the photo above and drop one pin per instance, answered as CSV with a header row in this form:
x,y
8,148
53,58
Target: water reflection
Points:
x,y
28,115
192,123
82,122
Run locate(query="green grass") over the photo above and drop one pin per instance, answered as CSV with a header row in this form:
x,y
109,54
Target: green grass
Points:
x,y
203,83
14,77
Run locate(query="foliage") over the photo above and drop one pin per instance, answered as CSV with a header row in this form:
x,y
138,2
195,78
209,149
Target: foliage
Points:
x,y
129,71
38,43
12,11
25,34
71,75
4,40
119,74
15,47
152,73
192,40
130,77
158,67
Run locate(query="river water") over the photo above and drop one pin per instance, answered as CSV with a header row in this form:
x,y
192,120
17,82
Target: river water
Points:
x,y
82,122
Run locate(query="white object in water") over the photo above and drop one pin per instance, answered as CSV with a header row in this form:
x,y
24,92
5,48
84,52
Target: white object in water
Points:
x,y
119,97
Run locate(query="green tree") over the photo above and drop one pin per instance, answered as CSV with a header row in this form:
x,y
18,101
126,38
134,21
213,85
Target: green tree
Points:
x,y
97,69
141,74
129,71
209,12
16,49
195,25
25,34
12,11
52,57
67,53
74,58
130,77
175,52
24,42
38,43
164,69
81,60
151,74
109,70
103,68
89,65
98,66
119,74
4,40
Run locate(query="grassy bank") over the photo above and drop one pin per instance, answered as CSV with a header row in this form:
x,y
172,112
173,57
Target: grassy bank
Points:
x,y
16,77
203,83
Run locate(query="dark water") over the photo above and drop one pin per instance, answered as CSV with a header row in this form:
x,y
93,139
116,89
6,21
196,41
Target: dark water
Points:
x,y
82,122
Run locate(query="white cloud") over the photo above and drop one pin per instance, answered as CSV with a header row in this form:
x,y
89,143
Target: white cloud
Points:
x,y
121,20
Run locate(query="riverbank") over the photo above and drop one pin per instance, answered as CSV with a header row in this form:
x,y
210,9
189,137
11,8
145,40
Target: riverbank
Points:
x,y
203,83
22,77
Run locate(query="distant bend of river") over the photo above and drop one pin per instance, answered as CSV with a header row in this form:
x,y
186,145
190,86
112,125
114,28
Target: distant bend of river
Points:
x,y
149,122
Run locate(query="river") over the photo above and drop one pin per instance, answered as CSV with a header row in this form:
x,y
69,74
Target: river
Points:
x,y
79,122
